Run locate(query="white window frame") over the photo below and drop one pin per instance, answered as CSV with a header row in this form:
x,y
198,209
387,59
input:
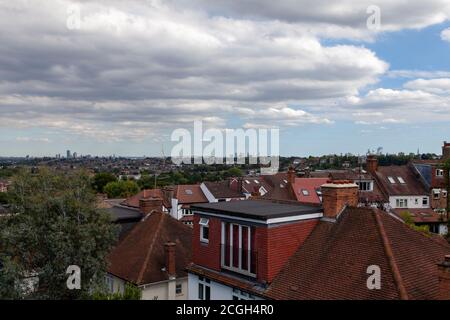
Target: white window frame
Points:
x,y
204,282
401,203
249,250
439,173
204,223
180,287
425,201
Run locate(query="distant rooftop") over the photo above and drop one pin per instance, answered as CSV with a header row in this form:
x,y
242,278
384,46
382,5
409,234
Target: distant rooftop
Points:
x,y
256,209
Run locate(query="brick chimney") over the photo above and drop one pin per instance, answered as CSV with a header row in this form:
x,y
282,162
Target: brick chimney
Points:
x,y
168,193
169,248
337,195
372,163
291,175
446,150
444,278
147,205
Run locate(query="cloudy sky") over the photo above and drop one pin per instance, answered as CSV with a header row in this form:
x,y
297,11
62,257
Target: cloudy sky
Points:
x,y
117,77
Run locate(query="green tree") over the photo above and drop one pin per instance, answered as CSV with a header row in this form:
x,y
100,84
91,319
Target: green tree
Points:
x,y
131,292
56,225
102,179
121,189
146,182
234,172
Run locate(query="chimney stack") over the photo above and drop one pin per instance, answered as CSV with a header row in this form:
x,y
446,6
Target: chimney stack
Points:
x,y
372,164
170,259
446,150
291,175
337,195
147,205
444,278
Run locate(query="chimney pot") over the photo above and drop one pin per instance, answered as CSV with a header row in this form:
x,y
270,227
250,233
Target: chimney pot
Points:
x,y
170,259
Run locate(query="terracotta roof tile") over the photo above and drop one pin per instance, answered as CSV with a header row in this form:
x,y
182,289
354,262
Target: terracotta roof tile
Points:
x,y
140,256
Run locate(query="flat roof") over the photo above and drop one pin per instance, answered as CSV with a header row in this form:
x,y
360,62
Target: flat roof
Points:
x,y
256,209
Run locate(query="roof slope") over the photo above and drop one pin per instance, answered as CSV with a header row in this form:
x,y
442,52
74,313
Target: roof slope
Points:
x,y
333,261
412,186
140,256
189,193
221,189
306,189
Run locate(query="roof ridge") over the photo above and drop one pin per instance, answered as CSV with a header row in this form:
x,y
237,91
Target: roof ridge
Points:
x,y
150,249
390,255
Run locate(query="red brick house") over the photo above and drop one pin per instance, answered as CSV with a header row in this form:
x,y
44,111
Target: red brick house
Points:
x,y
265,249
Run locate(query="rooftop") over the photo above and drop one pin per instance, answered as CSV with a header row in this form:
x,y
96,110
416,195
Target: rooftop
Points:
x,y
257,209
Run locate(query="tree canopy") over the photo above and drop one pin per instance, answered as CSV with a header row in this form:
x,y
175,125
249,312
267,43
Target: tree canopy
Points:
x,y
55,225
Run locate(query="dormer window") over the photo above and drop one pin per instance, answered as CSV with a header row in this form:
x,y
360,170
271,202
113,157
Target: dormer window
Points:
x,y
439,173
391,180
400,179
204,230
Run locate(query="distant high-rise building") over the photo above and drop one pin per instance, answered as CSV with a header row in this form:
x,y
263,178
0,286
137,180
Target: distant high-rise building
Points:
x,y
75,155
69,155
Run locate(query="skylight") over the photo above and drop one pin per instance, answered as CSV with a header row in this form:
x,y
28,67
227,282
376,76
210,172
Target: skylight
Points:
x,y
401,180
256,181
188,191
247,182
391,180
305,192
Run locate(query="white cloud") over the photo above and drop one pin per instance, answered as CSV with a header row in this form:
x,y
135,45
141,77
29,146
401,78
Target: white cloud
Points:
x,y
445,34
437,86
135,69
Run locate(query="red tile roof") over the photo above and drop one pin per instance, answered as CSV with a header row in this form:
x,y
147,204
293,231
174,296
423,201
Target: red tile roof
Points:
x,y
189,193
306,189
140,256
333,261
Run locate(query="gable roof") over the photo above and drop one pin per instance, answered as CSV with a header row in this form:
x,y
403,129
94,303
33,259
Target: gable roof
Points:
x,y
332,263
189,193
140,256
412,184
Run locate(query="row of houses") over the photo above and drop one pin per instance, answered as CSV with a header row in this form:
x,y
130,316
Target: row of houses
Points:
x,y
287,237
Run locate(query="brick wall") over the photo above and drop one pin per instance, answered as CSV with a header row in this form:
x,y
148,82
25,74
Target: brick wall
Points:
x,y
207,254
276,245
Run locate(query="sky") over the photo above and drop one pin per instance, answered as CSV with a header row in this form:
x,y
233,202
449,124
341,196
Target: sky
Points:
x,y
115,77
